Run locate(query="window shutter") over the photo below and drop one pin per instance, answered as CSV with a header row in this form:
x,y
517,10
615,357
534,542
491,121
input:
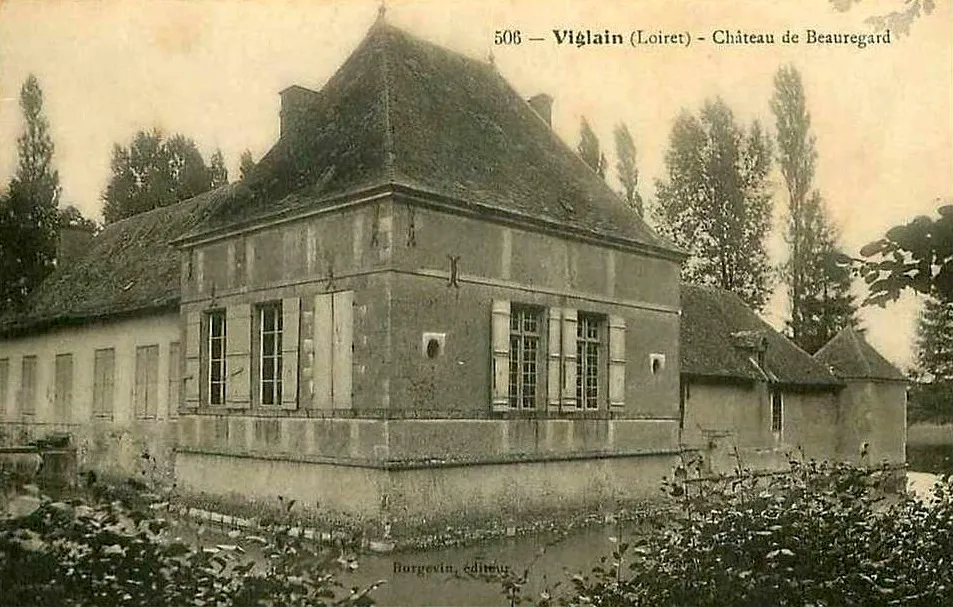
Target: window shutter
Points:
x,y
554,346
290,317
323,341
193,341
238,356
616,363
570,320
343,320
501,354
139,389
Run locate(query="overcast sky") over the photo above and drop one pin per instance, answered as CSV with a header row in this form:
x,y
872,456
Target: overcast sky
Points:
x,y
212,70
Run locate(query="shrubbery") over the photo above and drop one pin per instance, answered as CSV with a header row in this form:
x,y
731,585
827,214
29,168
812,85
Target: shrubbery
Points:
x,y
822,535
70,553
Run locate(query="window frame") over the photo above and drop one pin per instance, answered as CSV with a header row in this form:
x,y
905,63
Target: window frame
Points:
x,y
776,404
519,366
28,360
586,348
216,387
146,391
63,393
274,360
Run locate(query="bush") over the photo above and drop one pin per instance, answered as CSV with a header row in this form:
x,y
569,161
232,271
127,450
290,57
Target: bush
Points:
x,y
71,553
821,535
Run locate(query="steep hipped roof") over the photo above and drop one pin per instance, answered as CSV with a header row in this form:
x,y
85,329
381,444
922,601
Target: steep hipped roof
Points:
x,y
130,266
721,336
406,112
849,356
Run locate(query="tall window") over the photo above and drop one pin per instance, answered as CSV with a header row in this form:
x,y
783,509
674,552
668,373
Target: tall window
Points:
x,y
147,381
4,382
63,386
269,322
104,369
28,386
524,357
216,357
588,346
777,414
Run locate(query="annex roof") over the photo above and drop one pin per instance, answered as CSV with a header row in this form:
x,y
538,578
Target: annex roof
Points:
x,y
849,356
723,339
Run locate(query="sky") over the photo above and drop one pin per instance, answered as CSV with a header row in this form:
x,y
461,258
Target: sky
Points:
x,y
212,70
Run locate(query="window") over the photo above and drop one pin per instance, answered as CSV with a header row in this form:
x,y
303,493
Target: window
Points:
x,y
63,386
174,376
28,386
4,380
216,357
588,346
104,365
270,330
777,414
147,381
524,358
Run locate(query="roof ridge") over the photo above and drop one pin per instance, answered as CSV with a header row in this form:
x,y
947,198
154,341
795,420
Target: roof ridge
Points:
x,y
858,347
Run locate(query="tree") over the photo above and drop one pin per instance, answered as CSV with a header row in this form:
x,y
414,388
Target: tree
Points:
x,y
28,212
626,168
588,149
71,217
917,255
714,201
246,164
934,340
818,289
155,171
217,170
900,19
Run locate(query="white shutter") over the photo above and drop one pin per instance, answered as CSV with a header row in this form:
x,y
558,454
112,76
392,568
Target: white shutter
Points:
x,y
193,341
553,362
343,321
500,326
616,363
570,319
323,347
238,356
290,318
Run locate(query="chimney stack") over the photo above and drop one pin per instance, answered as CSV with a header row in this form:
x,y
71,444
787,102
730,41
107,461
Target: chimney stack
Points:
x,y
543,104
295,101
71,244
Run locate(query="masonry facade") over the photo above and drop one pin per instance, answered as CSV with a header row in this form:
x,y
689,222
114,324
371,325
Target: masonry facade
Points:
x,y
419,305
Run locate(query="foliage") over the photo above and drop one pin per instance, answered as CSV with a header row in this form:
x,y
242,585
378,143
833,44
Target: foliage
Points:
x,y
28,212
930,402
917,255
71,553
934,340
588,149
626,168
155,171
818,288
900,19
714,201
71,217
821,535
246,164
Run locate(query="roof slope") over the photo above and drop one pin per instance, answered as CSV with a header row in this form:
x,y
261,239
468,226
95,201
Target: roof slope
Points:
x,y
849,356
717,327
407,112
130,266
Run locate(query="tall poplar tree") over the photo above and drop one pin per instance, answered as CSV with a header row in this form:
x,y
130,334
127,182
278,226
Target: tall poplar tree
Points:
x,y
28,211
714,200
588,148
818,289
626,168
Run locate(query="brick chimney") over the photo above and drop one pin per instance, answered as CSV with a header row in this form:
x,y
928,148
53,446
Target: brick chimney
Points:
x,y
295,101
72,243
543,104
